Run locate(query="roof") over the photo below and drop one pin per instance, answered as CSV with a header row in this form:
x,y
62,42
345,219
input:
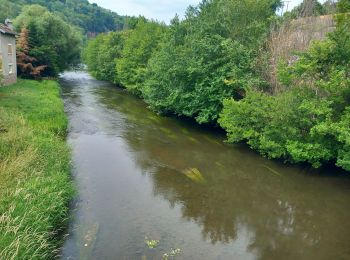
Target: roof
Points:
x,y
6,30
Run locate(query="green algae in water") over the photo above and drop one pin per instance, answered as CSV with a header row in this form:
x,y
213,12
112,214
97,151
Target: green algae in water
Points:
x,y
172,253
219,164
166,130
195,175
151,243
185,131
272,170
212,140
172,136
193,140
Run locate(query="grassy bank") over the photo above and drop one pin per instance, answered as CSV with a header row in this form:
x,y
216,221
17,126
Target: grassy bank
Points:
x,y
35,186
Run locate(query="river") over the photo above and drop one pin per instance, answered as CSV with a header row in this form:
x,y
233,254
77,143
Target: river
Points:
x,y
143,177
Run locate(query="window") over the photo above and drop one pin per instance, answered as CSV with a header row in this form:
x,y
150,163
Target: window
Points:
x,y
9,49
10,68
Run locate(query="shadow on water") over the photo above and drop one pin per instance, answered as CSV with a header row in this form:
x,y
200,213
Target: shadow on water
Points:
x,y
141,175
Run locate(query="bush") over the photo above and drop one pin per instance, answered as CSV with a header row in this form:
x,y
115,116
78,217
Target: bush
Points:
x,y
309,121
102,53
208,57
139,46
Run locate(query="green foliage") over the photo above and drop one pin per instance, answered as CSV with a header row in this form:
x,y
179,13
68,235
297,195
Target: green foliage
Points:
x,y
9,9
191,66
35,187
102,53
309,122
209,66
208,57
53,42
139,46
151,243
343,6
122,57
81,13
192,79
280,126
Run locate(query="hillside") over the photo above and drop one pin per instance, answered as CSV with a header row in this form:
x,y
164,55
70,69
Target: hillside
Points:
x,y
90,17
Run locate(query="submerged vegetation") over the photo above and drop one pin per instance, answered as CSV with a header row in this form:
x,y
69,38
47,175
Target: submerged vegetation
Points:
x,y
215,66
35,186
151,243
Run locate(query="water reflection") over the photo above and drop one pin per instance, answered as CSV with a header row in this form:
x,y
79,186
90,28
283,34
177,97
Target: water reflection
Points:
x,y
246,206
285,209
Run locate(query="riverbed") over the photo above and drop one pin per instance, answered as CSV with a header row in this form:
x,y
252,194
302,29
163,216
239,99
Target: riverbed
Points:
x,y
143,177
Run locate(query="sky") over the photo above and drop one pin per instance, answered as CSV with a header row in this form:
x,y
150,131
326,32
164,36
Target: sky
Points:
x,y
161,10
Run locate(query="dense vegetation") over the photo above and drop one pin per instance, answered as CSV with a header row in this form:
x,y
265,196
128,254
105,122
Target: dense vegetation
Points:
x,y
81,13
309,121
35,186
191,66
45,42
52,33
211,66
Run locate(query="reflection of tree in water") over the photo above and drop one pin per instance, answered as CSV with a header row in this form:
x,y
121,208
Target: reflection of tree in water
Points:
x,y
286,210
197,205
281,219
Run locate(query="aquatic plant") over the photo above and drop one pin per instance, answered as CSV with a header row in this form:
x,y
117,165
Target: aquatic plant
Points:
x,y
195,175
172,253
151,243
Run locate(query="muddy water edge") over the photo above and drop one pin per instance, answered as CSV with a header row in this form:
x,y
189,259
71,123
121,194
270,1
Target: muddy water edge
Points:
x,y
142,177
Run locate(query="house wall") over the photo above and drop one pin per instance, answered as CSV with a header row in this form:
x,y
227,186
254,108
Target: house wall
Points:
x,y
8,60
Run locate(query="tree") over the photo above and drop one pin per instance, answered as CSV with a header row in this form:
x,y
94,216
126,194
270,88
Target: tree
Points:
x,y
53,43
102,54
343,6
24,61
208,57
90,17
138,48
309,121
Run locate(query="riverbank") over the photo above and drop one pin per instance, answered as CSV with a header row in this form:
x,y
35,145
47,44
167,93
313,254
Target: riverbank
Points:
x,y
35,186
295,109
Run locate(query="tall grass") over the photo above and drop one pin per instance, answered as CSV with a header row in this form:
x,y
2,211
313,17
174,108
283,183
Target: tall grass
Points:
x,y
292,37
35,186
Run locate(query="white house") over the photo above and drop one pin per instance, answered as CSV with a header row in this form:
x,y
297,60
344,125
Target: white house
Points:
x,y
8,64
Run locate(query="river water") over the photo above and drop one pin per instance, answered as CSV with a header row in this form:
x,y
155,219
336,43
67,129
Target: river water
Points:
x,y
143,177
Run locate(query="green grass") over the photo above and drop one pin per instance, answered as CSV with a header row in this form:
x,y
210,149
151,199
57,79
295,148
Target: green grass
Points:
x,y
35,184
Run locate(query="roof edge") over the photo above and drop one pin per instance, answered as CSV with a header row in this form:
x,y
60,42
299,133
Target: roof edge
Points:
x,y
7,31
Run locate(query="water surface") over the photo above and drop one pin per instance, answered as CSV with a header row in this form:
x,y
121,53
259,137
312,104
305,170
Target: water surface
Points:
x,y
141,175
